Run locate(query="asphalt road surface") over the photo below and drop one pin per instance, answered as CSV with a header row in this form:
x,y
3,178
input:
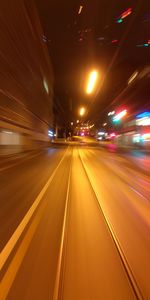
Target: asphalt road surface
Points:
x,y
75,224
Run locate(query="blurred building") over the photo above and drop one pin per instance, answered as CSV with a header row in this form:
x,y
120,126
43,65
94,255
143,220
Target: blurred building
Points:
x,y
135,132
26,78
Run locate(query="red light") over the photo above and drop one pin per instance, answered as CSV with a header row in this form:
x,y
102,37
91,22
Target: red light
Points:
x,y
148,42
126,13
114,41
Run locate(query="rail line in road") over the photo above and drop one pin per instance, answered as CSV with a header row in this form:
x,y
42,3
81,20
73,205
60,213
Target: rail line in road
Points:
x,y
61,258
61,269
15,262
126,266
124,173
79,183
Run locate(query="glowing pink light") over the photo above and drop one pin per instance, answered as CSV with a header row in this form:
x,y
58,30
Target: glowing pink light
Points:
x,y
114,41
112,135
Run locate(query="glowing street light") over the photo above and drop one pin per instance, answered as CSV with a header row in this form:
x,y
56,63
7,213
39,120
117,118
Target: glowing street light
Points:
x,y
134,75
82,111
111,113
92,125
45,86
80,9
91,81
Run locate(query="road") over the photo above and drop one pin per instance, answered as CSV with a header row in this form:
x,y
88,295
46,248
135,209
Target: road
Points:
x,y
74,224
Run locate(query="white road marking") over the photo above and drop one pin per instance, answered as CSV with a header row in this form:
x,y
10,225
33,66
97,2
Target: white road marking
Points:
x,y
18,232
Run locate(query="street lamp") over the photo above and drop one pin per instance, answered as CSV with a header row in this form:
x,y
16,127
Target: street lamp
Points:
x,y
133,76
91,81
82,111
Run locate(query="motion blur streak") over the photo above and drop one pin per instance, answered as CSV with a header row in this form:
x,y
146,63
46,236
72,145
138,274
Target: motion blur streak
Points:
x,y
26,89
90,263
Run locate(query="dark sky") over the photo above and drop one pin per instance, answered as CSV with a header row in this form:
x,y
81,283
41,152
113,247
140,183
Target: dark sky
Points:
x,y
78,43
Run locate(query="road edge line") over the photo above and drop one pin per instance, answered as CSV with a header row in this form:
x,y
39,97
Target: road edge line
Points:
x,y
21,227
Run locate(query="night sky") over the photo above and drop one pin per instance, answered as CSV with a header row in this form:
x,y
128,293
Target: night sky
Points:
x,y
93,39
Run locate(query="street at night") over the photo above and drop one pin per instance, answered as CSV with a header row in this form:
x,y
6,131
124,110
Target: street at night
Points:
x,y
75,150
77,222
